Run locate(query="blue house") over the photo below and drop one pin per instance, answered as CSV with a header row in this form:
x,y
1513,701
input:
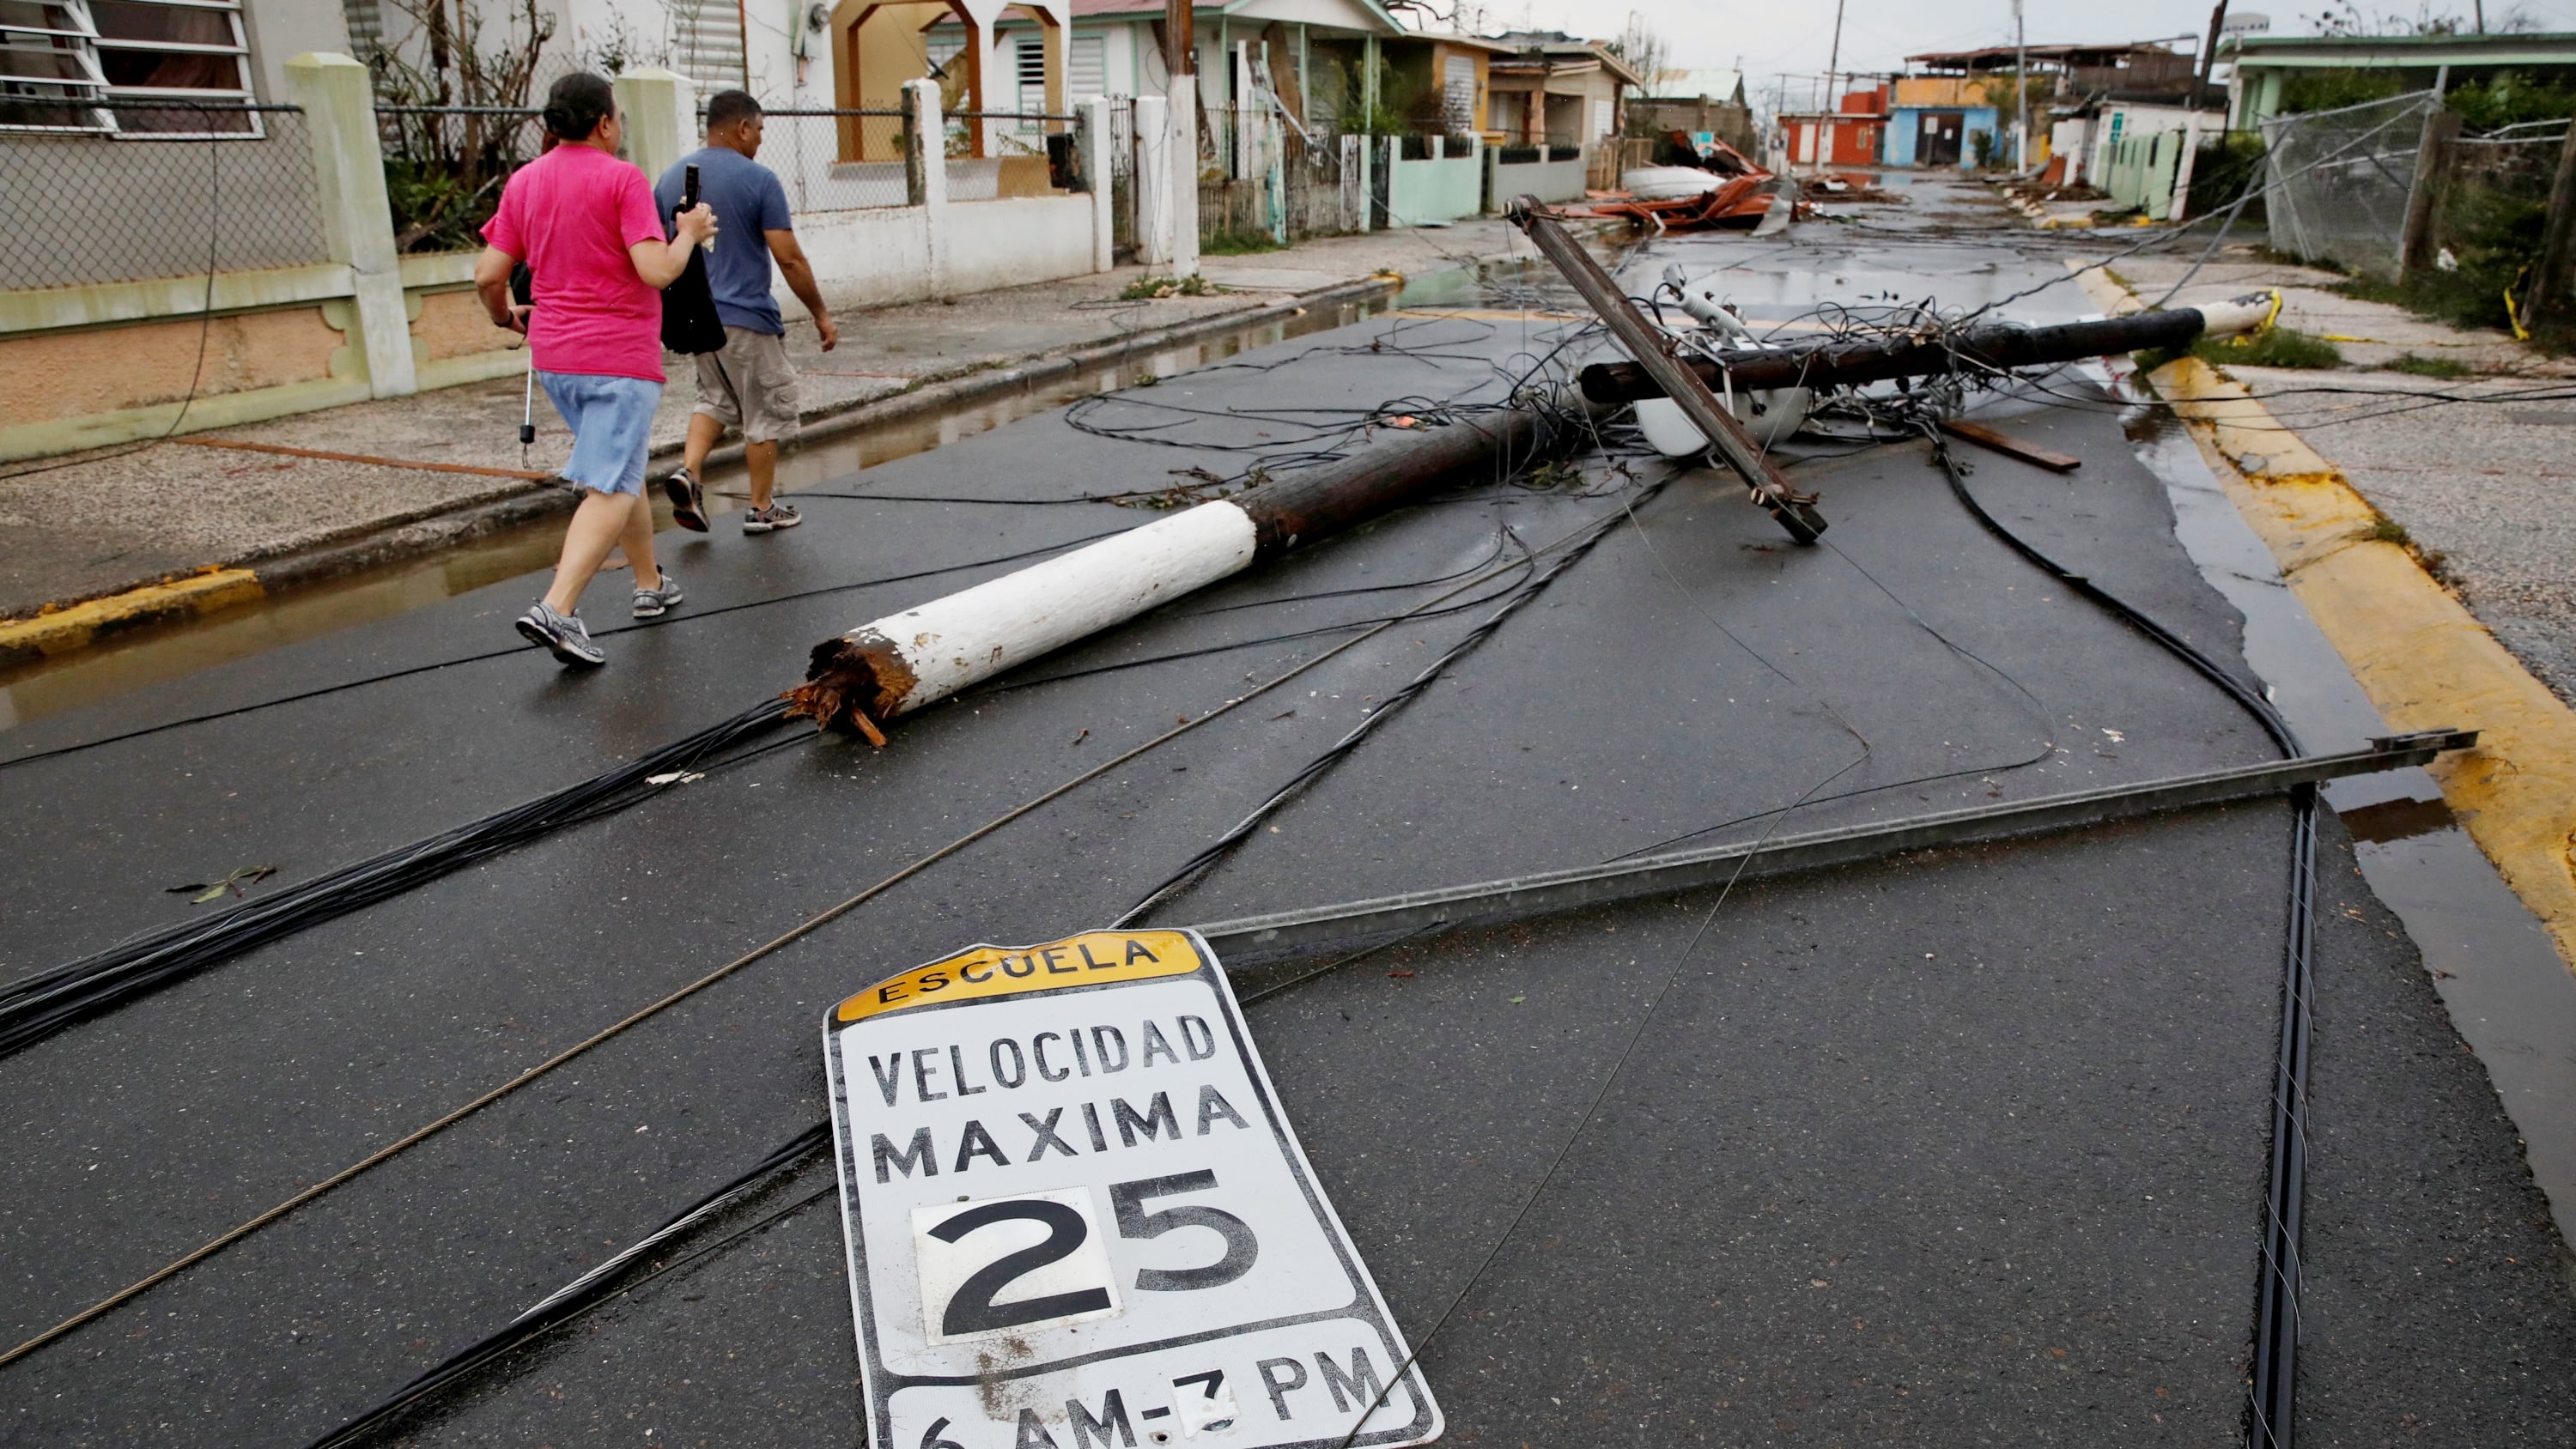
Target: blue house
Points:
x,y
1933,120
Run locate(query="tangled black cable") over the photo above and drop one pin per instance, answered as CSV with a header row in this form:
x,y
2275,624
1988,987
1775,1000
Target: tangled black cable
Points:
x,y
37,1006
1325,435
673,621
2270,1395
585,1292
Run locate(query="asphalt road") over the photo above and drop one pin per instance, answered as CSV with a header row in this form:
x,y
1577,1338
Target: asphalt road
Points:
x,y
1962,1147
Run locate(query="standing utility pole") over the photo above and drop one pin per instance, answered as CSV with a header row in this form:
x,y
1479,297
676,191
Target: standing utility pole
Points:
x,y
2209,54
1182,63
2021,95
1833,61
2553,289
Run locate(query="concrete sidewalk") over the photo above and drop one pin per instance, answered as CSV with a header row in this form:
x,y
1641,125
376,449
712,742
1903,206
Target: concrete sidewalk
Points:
x,y
99,524
2479,486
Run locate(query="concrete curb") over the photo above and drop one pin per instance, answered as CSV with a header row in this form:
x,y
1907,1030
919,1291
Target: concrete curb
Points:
x,y
59,629
2421,656
2417,651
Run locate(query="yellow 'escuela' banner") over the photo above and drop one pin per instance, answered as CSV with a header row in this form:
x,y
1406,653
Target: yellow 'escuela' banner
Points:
x,y
1093,956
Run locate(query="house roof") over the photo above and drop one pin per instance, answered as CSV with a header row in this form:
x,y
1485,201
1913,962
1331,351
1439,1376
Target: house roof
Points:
x,y
2343,51
1558,54
1147,10
1717,85
1992,57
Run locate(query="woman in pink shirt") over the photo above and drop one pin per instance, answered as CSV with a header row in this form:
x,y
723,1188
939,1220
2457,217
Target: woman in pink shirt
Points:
x,y
585,224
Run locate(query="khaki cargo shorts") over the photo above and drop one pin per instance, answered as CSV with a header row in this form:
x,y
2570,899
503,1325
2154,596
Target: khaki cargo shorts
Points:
x,y
750,384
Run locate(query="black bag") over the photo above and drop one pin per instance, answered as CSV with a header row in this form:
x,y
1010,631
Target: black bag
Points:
x,y
689,320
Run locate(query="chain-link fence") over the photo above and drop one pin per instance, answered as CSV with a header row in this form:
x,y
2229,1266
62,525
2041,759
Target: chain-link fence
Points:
x,y
807,148
2489,208
92,209
2338,181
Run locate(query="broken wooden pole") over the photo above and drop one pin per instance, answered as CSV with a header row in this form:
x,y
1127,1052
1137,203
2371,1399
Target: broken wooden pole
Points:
x,y
895,665
1995,348
1655,353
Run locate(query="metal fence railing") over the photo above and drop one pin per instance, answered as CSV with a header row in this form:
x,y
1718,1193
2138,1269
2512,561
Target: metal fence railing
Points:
x,y
1122,177
2337,181
93,209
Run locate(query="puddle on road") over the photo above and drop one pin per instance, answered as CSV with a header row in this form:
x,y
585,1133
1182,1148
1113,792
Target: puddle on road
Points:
x,y
2497,971
155,653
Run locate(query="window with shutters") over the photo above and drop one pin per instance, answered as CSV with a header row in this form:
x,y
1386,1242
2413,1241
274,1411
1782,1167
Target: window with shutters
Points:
x,y
65,65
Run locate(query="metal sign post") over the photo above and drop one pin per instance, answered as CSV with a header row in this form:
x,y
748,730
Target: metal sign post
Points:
x,y
1076,1216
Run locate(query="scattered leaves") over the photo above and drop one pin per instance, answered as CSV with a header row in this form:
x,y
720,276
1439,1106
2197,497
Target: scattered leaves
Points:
x,y
200,892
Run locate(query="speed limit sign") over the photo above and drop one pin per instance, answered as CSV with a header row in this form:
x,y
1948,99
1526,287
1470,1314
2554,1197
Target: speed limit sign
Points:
x,y
1077,1218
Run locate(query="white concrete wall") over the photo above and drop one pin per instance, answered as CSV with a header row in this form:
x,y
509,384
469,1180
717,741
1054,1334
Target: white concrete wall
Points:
x,y
2140,120
1017,239
1546,180
865,258
884,254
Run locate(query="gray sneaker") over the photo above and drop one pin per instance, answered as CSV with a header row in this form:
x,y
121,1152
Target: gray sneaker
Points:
x,y
769,520
688,500
562,634
653,603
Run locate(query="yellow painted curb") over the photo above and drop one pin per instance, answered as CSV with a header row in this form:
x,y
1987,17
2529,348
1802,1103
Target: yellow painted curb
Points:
x,y
2422,657
58,631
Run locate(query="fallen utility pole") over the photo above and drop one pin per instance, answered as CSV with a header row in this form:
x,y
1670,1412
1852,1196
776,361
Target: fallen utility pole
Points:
x,y
1653,348
1996,348
1775,855
895,665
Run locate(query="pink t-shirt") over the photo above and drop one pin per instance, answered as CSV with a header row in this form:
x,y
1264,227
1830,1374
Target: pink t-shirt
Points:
x,y
570,215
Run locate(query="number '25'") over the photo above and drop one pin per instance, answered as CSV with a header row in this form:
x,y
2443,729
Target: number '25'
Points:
x,y
972,1309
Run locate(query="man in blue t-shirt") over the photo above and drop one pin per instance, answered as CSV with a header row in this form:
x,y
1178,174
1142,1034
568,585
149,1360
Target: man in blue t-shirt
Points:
x,y
750,384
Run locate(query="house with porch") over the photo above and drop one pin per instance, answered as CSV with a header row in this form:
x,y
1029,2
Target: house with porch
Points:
x,y
2265,69
1553,89
1933,120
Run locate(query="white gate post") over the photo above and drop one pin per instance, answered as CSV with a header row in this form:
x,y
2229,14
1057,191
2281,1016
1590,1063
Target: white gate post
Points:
x,y
661,109
1153,181
1185,178
357,219
1094,140
926,168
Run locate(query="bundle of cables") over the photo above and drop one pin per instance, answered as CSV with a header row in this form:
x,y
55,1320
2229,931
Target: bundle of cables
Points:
x,y
581,1294
37,1006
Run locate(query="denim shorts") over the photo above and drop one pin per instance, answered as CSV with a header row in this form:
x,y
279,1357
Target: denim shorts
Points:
x,y
612,427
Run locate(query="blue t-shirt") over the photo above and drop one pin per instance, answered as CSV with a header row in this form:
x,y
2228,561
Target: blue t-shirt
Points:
x,y
749,202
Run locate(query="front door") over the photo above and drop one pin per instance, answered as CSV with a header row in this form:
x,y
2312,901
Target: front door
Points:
x,y
1938,142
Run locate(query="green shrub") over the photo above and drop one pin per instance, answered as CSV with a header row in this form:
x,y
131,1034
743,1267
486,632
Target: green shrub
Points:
x,y
1239,243
2441,367
2279,347
2330,90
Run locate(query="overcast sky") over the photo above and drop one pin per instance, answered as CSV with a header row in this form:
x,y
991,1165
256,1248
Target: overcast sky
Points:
x,y
1794,37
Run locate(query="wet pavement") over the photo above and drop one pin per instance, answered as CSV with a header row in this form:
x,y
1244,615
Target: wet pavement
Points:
x,y
91,524
153,653
1962,1146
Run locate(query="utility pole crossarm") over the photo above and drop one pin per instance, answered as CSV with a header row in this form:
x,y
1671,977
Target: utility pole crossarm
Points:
x,y
1653,349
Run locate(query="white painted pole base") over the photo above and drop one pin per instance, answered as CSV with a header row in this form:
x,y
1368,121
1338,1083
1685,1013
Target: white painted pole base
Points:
x,y
900,663
2238,315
